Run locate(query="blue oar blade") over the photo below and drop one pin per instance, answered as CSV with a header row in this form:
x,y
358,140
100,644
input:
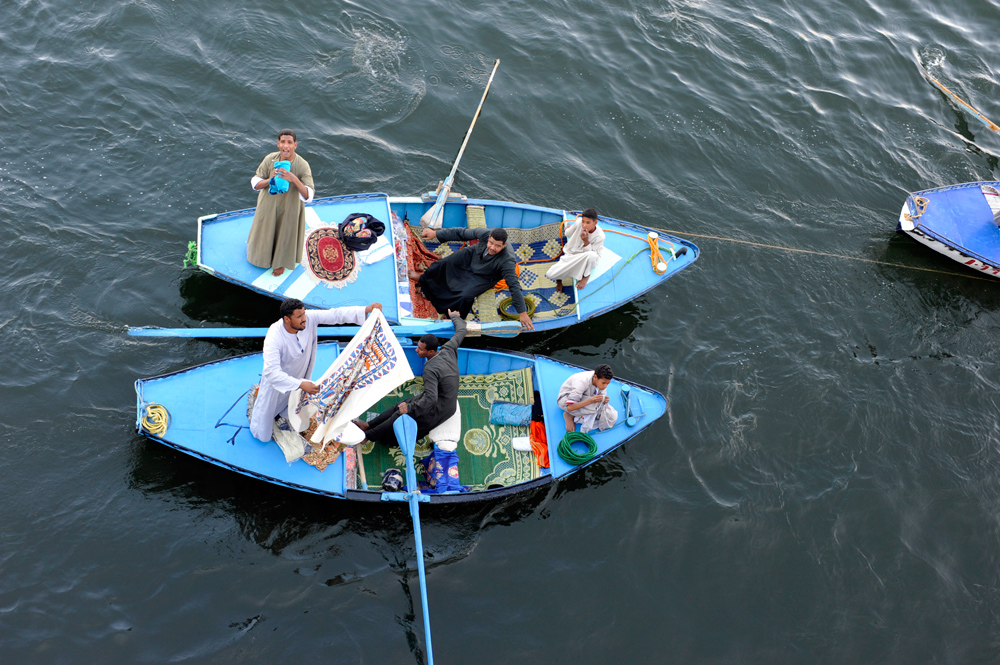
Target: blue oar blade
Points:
x,y
405,429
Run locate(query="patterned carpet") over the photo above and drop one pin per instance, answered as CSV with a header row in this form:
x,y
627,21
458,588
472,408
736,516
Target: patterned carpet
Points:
x,y
486,454
539,245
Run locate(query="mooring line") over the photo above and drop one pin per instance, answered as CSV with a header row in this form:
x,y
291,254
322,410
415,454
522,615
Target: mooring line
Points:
x,y
829,254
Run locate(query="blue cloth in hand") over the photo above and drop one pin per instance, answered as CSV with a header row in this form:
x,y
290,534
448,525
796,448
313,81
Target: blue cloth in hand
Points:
x,y
279,185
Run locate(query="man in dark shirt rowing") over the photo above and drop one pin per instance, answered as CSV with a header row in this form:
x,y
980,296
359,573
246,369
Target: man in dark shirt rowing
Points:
x,y
439,398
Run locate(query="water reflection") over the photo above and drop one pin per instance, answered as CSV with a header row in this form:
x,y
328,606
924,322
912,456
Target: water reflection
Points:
x,y
213,300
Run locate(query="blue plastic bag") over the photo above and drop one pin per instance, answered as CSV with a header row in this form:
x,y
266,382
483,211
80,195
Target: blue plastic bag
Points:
x,y
279,185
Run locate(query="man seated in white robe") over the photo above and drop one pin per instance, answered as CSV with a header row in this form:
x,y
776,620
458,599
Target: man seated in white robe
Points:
x,y
582,251
584,399
289,356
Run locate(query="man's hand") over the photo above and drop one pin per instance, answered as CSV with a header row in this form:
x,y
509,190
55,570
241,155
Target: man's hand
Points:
x,y
309,387
404,408
585,237
428,234
373,306
452,314
597,399
526,321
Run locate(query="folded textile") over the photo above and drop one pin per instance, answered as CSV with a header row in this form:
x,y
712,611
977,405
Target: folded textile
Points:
x,y
539,443
279,185
508,413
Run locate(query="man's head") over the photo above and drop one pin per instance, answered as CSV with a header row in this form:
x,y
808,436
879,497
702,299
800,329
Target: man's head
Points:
x,y
427,346
589,220
603,376
293,315
497,240
287,143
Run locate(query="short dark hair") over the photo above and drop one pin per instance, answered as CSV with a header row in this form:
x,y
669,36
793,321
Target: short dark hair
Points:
x,y
430,341
589,213
289,306
499,234
287,132
604,372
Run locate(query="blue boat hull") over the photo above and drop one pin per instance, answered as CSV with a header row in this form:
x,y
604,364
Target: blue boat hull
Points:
x,y
957,221
625,273
207,410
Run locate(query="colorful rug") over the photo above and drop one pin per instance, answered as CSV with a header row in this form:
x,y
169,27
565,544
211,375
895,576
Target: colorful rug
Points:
x,y
537,249
486,454
418,258
326,259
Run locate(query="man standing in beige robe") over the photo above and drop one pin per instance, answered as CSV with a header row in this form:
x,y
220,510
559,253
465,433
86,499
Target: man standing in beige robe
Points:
x,y
279,224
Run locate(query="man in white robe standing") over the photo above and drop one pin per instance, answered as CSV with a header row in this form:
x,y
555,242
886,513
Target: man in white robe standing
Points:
x,y
583,397
289,356
582,251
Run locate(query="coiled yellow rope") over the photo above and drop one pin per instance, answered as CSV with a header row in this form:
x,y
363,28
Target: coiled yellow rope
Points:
x,y
155,419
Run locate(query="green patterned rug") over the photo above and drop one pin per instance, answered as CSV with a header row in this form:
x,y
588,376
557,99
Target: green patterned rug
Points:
x,y
486,456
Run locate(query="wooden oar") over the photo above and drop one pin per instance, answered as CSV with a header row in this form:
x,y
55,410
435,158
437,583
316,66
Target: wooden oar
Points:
x,y
441,328
405,429
434,216
986,121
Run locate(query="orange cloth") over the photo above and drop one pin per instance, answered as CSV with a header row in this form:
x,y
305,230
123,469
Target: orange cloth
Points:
x,y
539,443
502,284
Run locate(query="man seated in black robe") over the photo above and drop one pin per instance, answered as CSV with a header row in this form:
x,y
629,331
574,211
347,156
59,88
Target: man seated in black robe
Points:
x,y
455,281
439,398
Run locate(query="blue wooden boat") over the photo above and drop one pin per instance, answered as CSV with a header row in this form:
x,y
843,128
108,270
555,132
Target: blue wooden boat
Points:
x,y
207,407
959,221
635,259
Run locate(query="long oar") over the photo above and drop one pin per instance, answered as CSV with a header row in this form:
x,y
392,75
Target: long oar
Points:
x,y
442,328
405,429
434,216
986,121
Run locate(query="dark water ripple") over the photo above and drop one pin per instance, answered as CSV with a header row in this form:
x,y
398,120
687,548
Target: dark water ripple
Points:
x,y
825,487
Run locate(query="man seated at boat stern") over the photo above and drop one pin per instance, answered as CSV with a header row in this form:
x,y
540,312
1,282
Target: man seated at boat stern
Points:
x,y
285,183
584,399
439,399
454,282
289,356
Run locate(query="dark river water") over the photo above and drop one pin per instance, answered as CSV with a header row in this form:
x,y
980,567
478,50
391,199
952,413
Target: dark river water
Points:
x,y
825,487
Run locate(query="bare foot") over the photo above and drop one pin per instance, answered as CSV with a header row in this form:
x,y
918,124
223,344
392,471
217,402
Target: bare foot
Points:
x,y
414,274
583,282
559,286
362,425
277,272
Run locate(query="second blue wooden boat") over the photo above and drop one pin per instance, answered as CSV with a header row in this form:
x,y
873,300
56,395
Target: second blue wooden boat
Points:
x,y
206,416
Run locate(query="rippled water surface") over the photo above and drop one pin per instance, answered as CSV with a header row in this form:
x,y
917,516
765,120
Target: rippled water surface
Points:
x,y
826,485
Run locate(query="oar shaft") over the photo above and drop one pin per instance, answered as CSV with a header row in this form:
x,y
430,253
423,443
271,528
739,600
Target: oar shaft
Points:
x,y
479,109
442,329
322,331
989,123
419,542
